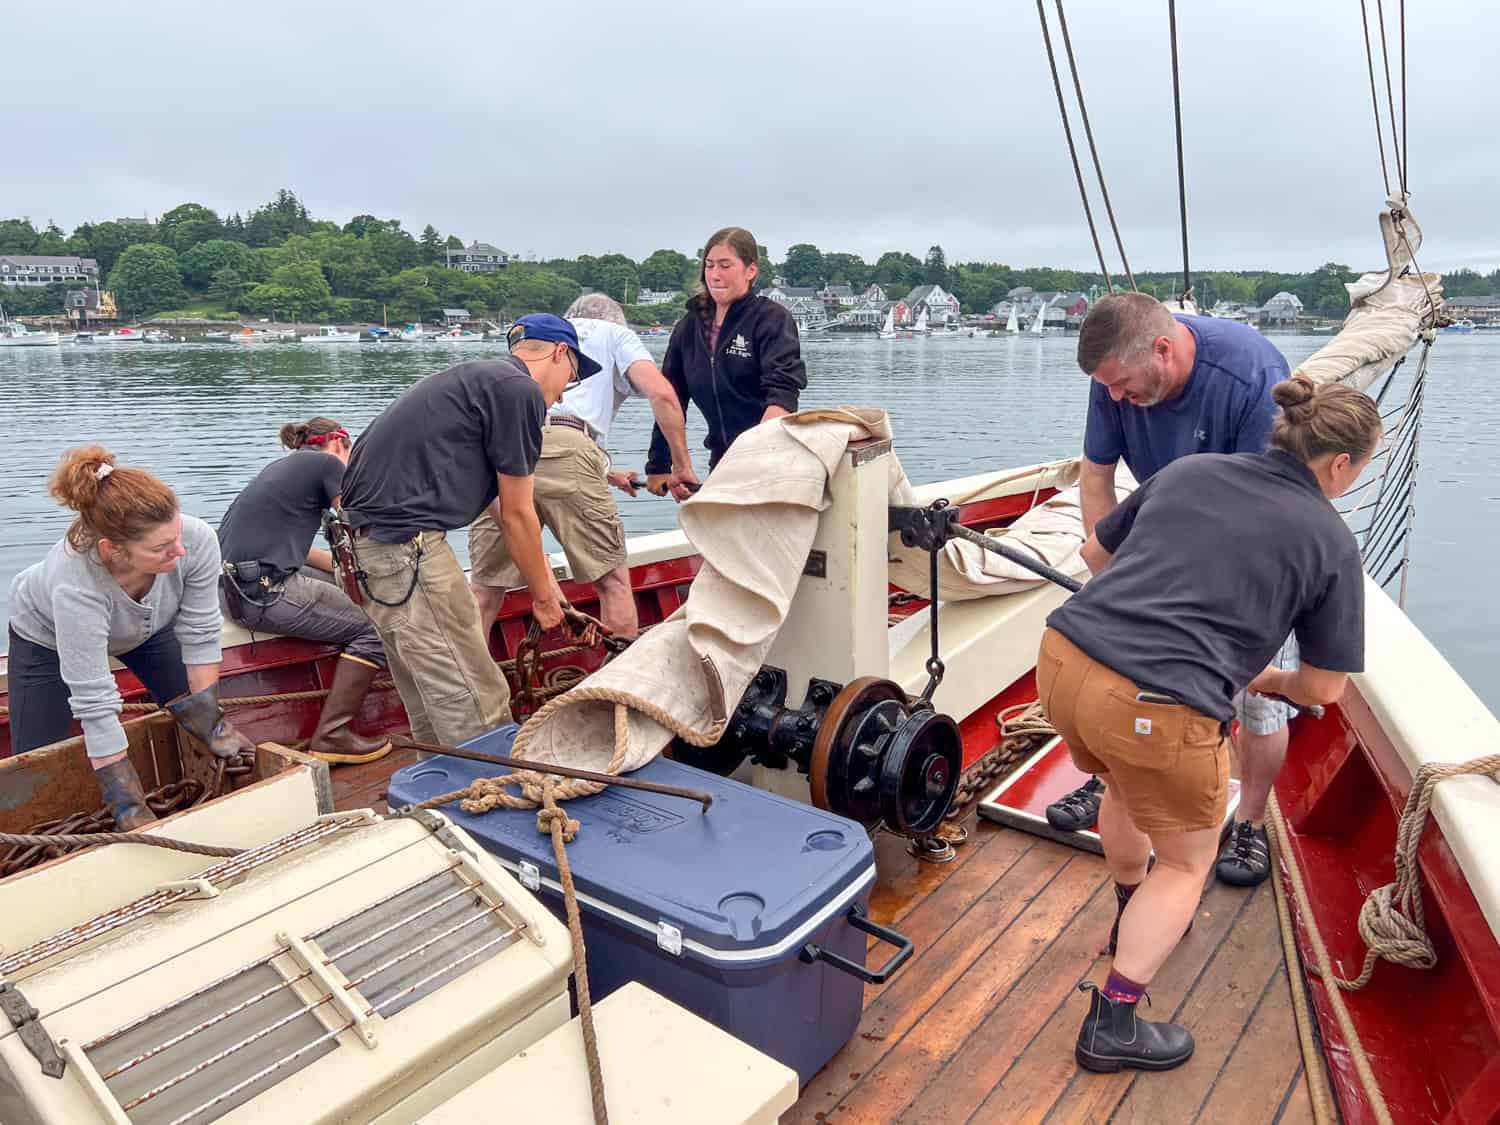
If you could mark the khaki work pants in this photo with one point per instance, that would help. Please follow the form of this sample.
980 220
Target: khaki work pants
439 658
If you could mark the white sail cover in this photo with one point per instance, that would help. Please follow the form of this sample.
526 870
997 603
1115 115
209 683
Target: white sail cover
1388 311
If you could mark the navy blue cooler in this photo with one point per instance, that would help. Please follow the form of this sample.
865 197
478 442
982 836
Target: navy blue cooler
753 915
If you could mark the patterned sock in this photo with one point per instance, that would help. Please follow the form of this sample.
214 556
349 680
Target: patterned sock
1122 990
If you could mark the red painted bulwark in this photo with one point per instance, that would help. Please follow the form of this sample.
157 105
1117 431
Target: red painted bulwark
1432 1037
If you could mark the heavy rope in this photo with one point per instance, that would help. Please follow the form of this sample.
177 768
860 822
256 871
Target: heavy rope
1088 132
1323 966
1062 109
89 839
562 829
1187 275
488 793
1324 1110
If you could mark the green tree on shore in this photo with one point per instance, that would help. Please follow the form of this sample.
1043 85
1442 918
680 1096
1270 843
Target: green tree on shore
146 279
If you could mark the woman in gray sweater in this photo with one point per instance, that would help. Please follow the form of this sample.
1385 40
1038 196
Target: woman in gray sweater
134 579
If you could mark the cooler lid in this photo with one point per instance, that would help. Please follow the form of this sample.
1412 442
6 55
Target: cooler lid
738 882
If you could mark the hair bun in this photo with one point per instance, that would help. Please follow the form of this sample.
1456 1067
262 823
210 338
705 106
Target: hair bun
294 434
75 483
1294 392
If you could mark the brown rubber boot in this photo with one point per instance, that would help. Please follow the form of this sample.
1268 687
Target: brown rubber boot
335 741
121 788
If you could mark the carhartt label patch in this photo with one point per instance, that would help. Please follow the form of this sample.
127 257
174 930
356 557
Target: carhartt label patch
1143 726
740 347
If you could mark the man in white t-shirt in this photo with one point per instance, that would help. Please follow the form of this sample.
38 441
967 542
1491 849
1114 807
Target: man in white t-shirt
572 478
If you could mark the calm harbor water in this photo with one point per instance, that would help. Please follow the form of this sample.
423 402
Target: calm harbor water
205 418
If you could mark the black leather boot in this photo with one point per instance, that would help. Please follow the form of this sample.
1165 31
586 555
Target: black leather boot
201 716
1114 1036
123 795
335 741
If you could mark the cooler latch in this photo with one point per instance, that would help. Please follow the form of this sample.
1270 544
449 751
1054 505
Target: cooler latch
669 938
530 875
29 1029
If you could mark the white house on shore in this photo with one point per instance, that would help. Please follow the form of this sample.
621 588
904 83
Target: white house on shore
803 302
657 296
1281 310
940 305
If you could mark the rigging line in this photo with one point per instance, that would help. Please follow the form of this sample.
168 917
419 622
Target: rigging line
1088 132
1390 97
1364 19
1187 276
1062 109
1405 153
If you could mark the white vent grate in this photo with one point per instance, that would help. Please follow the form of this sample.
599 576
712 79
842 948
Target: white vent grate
206 1053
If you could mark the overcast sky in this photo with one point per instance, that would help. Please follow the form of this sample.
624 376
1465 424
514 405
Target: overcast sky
590 127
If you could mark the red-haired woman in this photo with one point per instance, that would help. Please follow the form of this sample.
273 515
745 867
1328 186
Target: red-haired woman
735 354
276 581
133 579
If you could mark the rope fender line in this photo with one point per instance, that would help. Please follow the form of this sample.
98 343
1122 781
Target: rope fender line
1323 966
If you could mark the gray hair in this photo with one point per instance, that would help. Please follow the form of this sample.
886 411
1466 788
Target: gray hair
596 306
1122 326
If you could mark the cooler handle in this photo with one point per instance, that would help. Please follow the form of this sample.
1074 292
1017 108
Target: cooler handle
861 921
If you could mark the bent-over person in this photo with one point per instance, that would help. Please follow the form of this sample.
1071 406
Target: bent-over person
1164 387
573 476
455 444
276 581
135 579
1199 575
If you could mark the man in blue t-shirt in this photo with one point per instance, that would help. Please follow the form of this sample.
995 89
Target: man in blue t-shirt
1165 386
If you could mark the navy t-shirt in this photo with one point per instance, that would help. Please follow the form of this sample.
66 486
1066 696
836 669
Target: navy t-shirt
428 463
1215 560
1225 406
274 520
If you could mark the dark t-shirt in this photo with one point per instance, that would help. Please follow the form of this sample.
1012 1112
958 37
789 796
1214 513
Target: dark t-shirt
1216 559
276 516
1225 406
428 462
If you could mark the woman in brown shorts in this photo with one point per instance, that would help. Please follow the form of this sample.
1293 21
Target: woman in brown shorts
1199 576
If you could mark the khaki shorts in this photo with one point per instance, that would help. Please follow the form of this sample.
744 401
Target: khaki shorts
1168 762
572 501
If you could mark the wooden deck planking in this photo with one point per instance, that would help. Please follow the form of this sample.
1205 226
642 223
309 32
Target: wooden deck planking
1219 1010
980 1025
950 935
1257 1080
1012 951
364 787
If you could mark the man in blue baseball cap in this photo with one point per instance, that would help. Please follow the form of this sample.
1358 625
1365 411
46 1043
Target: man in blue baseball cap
456 444
544 328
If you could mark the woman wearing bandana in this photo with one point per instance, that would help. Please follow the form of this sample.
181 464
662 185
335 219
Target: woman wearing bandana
276 581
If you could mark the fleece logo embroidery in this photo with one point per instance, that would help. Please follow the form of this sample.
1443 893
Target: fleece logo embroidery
740 347
1143 726
1202 436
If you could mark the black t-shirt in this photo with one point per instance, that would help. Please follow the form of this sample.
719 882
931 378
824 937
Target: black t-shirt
428 462
274 519
1216 559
